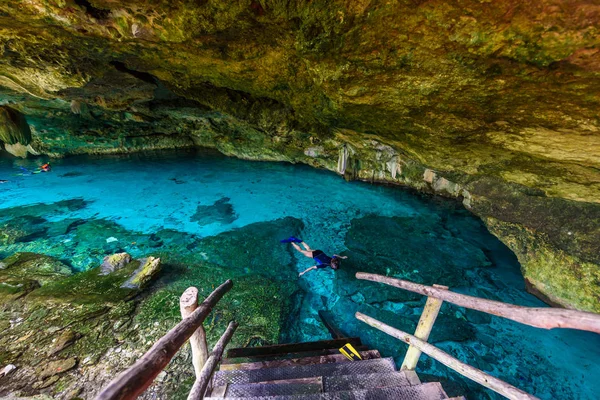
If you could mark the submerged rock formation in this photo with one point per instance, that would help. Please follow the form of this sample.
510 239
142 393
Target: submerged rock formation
495 103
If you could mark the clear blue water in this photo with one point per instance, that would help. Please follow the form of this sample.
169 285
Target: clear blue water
382 229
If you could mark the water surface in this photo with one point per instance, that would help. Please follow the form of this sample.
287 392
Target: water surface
383 230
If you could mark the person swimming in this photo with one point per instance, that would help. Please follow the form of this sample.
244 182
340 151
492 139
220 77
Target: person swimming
322 259
45 168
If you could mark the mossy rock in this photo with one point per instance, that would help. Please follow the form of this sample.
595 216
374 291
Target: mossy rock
91 286
114 263
32 266
149 268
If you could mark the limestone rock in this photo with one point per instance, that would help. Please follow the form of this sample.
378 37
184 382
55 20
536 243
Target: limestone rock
114 263
56 367
7 370
148 269
13 127
67 338
17 149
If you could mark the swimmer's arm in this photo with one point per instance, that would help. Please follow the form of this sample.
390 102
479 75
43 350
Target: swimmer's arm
308 269
342 257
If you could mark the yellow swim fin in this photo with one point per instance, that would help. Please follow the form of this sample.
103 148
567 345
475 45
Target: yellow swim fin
350 352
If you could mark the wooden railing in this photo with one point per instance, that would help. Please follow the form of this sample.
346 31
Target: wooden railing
136 379
546 318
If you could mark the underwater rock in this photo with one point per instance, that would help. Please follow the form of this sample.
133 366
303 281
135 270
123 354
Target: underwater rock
147 271
477 317
22 229
34 267
401 250
252 249
221 211
114 263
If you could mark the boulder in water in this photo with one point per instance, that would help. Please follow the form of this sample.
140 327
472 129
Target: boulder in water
114 263
148 269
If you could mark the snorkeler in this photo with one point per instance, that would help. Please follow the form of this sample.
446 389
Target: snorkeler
322 259
45 168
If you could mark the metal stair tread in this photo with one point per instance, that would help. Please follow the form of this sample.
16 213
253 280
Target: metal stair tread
258 358
272 389
338 383
323 359
292 347
378 365
425 391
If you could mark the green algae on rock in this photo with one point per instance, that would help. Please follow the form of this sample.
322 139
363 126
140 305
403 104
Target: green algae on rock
105 322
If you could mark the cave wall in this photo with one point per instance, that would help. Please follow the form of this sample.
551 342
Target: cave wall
495 103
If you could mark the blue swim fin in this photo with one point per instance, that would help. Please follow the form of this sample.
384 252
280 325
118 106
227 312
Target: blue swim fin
291 239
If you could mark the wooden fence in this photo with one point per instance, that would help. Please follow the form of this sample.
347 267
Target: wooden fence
136 379
546 318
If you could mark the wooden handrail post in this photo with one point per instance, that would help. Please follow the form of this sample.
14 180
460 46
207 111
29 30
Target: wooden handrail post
132 382
203 379
475 374
430 313
187 304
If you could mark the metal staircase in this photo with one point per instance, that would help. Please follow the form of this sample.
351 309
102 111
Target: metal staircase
316 370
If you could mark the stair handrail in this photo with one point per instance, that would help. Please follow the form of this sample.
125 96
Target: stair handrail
505 389
546 318
132 382
202 381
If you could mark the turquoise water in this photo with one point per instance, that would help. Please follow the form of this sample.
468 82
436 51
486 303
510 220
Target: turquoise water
383 230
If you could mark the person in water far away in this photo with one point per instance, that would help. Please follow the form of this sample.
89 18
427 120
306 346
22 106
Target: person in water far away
322 259
45 168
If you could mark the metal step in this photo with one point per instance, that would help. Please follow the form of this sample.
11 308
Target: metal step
329 384
272 389
425 391
338 383
333 358
302 354
292 347
380 365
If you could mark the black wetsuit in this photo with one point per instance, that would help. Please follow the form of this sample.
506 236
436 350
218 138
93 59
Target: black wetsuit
322 259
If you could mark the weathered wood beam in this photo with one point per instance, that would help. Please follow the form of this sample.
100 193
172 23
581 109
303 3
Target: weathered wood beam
202 381
475 374
187 304
428 317
133 381
547 318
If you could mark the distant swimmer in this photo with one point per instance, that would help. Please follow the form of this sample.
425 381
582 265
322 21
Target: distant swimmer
42 168
3 181
45 168
322 259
